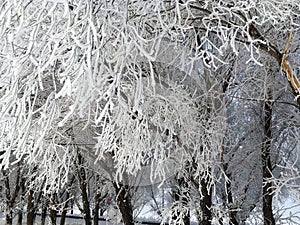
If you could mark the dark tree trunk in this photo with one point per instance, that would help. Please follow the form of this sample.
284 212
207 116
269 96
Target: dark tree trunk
86 204
20 218
11 195
52 210
124 203
267 167
32 197
30 208
101 211
83 185
98 198
44 214
8 213
180 195
72 206
20 213
63 217
64 212
96 209
8 218
205 203
206 196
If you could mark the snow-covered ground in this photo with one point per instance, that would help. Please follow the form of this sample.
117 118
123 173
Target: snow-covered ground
69 221
289 213
76 221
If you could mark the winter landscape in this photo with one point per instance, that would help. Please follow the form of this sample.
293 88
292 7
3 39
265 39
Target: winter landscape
149 112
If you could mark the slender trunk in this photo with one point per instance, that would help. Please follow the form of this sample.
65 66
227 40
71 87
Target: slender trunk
20 213
98 198
20 218
205 203
83 185
85 202
63 217
124 203
8 213
267 167
8 218
230 203
102 211
72 206
180 195
30 208
96 209
53 211
205 218
33 199
44 214
11 195
64 212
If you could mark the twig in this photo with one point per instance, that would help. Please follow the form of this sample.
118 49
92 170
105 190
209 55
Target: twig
262 100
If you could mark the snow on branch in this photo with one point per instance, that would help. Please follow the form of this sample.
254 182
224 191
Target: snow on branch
94 63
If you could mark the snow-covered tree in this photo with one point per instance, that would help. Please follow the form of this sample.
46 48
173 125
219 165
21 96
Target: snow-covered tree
142 77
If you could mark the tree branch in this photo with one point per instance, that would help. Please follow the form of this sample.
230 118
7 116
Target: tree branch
294 82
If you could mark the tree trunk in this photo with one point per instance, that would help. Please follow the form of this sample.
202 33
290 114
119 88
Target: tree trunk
20 218
230 203
124 203
63 217
9 216
267 167
205 203
85 202
11 195
83 185
72 206
53 212
20 213
30 208
8 213
64 212
180 195
96 209
44 214
101 211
